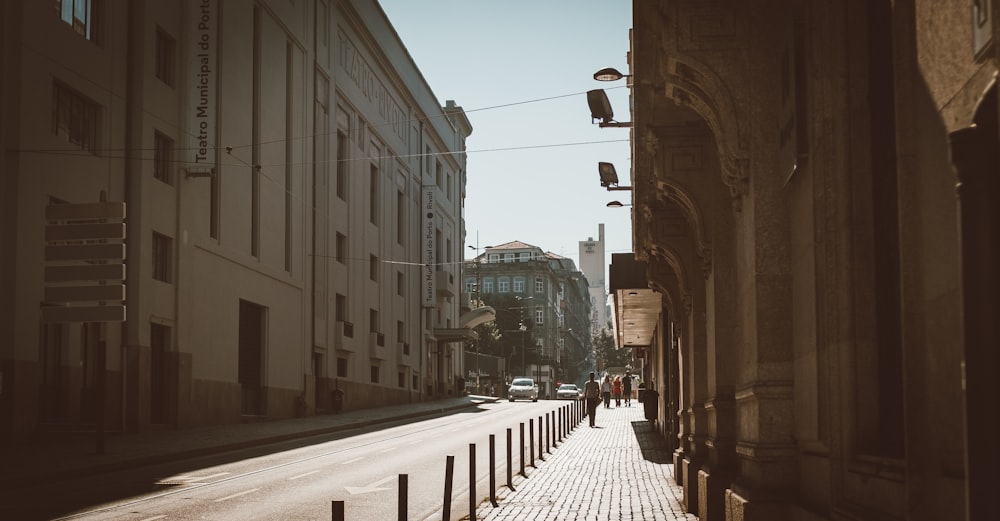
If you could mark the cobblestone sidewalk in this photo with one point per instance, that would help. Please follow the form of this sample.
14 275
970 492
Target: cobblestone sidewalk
618 470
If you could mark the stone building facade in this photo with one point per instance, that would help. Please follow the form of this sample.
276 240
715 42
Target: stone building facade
814 188
292 194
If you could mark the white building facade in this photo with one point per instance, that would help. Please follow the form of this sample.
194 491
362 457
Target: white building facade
594 265
292 192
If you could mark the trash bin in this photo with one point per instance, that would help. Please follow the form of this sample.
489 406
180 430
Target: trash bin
650 402
337 397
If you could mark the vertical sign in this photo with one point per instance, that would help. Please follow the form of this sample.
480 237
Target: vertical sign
203 78
428 245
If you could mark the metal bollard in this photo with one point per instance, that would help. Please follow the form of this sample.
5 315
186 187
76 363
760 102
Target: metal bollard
449 474
404 495
493 470
522 450
531 440
540 455
472 482
548 433
338 511
510 462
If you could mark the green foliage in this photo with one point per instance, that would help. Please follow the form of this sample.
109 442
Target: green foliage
607 354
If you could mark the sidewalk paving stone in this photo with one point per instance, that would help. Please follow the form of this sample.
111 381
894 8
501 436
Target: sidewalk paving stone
619 470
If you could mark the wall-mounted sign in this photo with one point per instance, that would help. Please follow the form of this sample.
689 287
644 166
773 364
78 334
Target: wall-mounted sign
203 78
428 245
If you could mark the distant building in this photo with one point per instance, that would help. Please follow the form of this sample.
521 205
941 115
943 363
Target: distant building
593 264
553 301
292 197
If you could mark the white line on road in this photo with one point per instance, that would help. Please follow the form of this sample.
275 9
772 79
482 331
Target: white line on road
154 518
390 449
416 441
303 475
238 494
348 462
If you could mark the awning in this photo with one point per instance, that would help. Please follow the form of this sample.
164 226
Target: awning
455 334
477 316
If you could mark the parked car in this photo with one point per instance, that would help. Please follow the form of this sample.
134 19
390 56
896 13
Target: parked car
523 388
569 392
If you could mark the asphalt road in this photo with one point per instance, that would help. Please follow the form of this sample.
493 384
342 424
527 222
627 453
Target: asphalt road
300 479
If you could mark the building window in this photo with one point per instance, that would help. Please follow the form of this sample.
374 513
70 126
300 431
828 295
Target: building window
400 217
165 57
415 381
373 195
82 16
503 285
341 248
539 285
341 165
470 285
525 256
494 257
448 187
400 331
342 367
400 284
163 152
539 316
508 257
487 285
373 268
373 320
162 256
340 308
518 284
438 175
375 378
75 118
402 379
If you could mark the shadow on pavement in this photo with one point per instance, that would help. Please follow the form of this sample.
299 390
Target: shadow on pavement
653 447
87 486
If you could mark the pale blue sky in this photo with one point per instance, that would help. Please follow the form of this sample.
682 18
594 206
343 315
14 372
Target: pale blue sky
485 53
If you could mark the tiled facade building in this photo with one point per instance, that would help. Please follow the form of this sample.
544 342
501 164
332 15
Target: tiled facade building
552 299
292 194
815 191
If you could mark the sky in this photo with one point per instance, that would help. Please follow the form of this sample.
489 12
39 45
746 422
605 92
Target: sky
521 70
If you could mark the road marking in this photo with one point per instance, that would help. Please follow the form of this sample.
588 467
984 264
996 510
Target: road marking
348 462
189 479
390 449
303 475
238 494
154 518
374 487
416 441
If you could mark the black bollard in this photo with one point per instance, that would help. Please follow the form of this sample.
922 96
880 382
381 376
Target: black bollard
404 495
338 511
531 440
548 433
472 482
493 470
449 474
522 450
510 460
540 455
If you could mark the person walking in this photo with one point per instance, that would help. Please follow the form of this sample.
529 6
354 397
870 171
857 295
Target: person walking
592 393
616 390
627 388
606 391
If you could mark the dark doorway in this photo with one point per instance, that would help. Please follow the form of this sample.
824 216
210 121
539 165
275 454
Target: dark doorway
251 363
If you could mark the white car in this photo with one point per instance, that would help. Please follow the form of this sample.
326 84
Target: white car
523 388
569 392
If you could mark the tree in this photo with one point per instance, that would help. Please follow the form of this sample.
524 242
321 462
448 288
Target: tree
607 354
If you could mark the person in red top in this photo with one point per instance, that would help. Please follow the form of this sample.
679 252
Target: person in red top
616 390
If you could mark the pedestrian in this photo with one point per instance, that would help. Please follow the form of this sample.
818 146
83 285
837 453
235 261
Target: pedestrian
606 391
627 388
592 393
616 390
